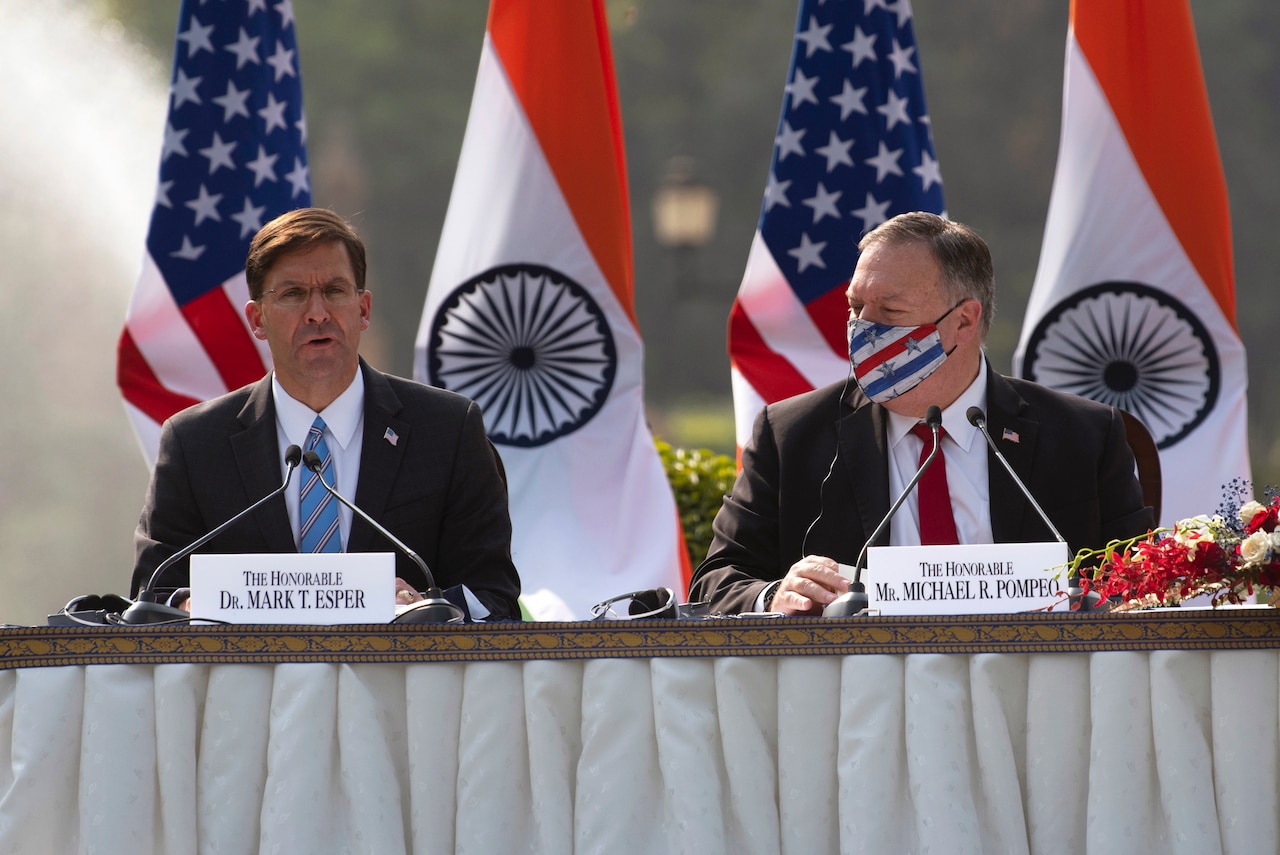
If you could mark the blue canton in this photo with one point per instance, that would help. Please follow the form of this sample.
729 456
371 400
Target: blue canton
234 154
853 146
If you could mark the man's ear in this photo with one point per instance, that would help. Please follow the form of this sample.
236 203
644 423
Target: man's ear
253 314
366 309
970 312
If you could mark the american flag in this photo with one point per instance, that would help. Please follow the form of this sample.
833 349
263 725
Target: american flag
853 149
234 157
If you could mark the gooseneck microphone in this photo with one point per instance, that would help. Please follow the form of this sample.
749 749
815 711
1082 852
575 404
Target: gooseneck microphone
143 611
979 420
856 600
1083 602
434 608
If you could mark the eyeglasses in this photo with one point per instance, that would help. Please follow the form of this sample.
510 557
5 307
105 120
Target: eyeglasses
333 295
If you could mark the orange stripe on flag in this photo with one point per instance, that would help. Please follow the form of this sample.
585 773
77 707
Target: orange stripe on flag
548 50
1144 55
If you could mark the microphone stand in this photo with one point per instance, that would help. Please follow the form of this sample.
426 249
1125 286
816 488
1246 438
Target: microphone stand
856 601
433 608
1075 594
143 611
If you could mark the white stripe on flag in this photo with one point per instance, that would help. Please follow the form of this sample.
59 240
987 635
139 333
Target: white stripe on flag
166 341
1105 225
592 511
146 430
782 321
747 404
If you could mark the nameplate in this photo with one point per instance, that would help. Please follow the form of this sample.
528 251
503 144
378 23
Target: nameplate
986 578
319 588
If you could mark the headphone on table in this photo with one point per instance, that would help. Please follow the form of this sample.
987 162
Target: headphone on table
91 610
658 603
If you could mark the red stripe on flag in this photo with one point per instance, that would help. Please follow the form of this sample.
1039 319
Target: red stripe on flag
140 386
770 373
1146 60
548 50
830 314
224 338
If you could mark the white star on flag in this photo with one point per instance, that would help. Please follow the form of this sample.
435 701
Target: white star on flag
787 331
185 338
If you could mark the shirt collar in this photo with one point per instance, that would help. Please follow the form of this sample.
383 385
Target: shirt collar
954 418
342 417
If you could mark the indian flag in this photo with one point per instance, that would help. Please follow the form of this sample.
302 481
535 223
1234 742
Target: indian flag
530 313
1134 299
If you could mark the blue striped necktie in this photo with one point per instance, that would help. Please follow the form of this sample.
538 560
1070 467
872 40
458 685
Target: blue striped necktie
317 511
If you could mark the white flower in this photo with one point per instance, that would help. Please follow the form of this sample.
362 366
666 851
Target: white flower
1255 548
1249 510
1201 526
1196 530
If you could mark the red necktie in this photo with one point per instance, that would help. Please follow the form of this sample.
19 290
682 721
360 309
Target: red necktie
937 523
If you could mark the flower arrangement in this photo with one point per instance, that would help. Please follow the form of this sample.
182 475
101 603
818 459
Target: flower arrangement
1228 555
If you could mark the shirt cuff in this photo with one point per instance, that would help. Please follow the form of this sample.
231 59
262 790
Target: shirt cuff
478 609
766 593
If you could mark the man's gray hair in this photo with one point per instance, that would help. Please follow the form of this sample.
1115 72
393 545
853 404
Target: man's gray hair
963 256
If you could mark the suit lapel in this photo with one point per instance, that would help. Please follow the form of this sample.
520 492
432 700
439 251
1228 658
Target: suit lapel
257 455
1016 437
859 430
380 458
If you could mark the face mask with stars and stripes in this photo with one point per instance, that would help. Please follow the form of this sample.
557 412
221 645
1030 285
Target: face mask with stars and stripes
890 361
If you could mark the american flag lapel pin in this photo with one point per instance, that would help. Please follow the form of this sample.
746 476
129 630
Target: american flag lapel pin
391 437
1010 435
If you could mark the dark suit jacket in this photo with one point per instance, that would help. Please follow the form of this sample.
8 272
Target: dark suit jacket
437 488
1071 453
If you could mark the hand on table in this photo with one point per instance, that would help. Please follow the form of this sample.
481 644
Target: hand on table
810 584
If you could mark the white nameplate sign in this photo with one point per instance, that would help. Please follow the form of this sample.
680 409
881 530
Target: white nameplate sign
319 588
972 579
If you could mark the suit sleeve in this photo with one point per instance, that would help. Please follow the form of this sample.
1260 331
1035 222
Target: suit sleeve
744 554
475 534
170 516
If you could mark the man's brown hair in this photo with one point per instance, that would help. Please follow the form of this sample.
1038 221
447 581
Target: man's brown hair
297 230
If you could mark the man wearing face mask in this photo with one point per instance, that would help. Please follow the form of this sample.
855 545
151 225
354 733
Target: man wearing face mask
821 469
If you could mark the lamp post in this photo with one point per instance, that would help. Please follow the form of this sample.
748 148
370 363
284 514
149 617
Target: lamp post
684 221
684 215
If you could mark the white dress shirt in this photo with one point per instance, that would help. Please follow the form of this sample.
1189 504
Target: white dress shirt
966 455
344 434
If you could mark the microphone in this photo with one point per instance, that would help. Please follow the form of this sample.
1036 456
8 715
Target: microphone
856 600
143 611
979 420
434 608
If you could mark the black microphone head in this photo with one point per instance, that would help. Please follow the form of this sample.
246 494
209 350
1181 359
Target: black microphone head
933 417
312 461
292 456
975 416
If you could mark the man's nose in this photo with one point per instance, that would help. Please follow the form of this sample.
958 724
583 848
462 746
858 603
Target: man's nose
316 308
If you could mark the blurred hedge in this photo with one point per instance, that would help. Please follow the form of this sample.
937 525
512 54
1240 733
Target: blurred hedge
700 478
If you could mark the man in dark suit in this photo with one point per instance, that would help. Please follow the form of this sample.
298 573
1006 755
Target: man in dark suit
821 469
415 458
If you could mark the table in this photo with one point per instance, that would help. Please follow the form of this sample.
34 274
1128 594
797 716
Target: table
1151 732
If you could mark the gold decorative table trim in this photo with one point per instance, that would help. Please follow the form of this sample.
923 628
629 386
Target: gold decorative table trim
1233 629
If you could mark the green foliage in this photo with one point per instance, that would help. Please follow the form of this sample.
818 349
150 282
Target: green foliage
700 479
